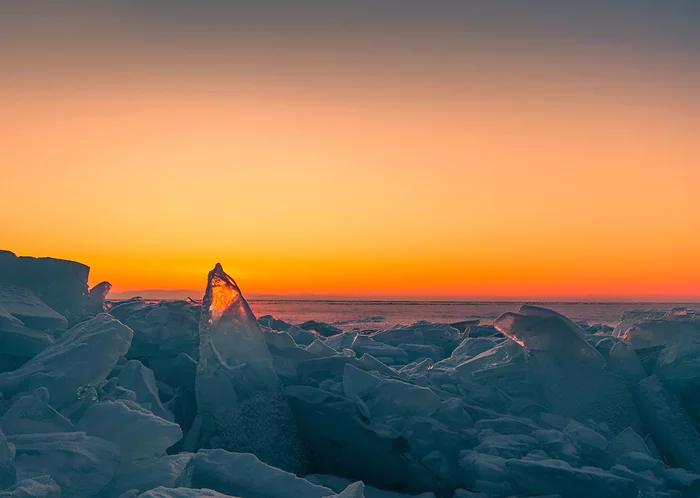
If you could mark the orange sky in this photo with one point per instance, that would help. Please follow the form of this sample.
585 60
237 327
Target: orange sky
487 177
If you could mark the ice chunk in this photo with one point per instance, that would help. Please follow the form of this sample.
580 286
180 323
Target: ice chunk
81 465
163 492
96 297
679 364
339 484
136 377
319 348
468 348
672 430
301 336
629 318
625 441
363 344
582 391
372 452
83 355
171 471
59 283
418 351
594 446
321 328
286 355
24 305
507 425
33 414
510 446
452 412
623 361
556 477
7 462
644 480
665 331
239 397
507 352
20 341
162 331
441 335
393 397
357 382
558 446
242 474
341 341
541 329
354 490
137 432
485 473
464 493
465 325
36 487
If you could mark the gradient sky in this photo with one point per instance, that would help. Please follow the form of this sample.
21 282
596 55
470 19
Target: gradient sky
414 149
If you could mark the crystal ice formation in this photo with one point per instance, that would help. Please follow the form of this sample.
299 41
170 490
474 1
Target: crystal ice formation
239 396
542 329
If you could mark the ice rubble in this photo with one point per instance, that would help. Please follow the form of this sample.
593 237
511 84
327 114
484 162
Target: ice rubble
175 399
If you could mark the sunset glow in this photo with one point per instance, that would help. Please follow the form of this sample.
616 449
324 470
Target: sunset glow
487 171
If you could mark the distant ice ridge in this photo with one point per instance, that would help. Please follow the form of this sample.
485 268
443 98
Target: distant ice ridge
176 399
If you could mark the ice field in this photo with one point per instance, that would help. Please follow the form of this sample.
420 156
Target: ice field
136 398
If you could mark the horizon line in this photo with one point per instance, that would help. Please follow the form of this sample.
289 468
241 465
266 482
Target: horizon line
165 294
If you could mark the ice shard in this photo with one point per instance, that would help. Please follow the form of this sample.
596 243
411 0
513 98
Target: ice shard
541 329
239 396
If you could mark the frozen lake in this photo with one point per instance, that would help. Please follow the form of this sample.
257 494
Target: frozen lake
381 315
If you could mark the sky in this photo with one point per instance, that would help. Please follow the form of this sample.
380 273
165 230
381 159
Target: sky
396 149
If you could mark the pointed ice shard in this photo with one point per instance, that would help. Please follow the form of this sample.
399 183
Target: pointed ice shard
239 396
541 329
